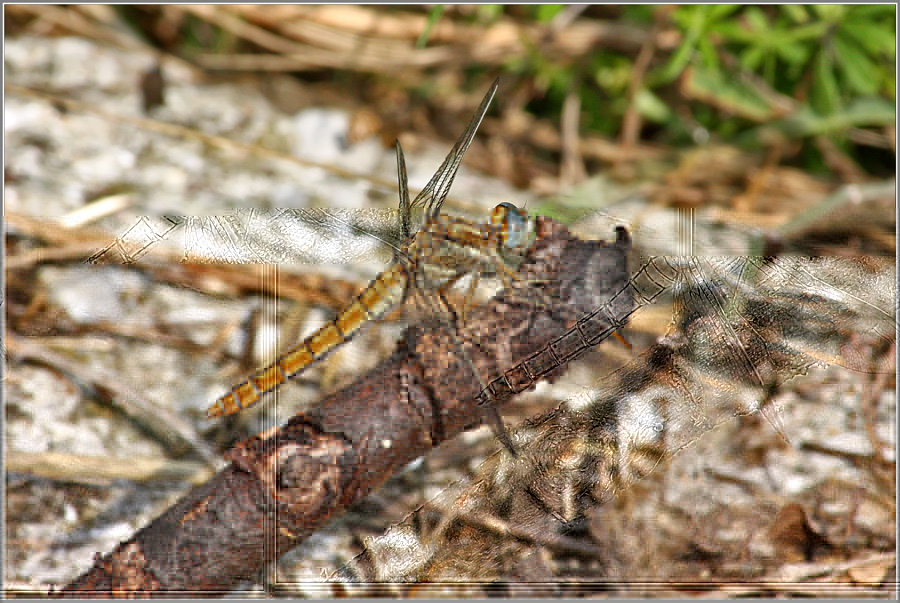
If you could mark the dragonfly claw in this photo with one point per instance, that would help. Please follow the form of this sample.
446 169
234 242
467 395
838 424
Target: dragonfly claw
499 428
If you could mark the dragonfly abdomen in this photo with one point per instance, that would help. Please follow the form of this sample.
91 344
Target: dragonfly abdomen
384 293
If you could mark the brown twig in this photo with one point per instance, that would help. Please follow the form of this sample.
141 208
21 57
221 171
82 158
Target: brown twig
571 170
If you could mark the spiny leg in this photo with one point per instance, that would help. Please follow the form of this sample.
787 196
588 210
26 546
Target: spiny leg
491 412
498 426
508 277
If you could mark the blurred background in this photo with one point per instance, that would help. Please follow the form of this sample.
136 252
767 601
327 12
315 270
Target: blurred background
705 129
737 106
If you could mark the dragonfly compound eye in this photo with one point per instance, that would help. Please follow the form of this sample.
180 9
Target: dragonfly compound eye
514 225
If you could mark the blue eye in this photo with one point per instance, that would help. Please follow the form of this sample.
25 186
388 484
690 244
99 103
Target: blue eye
514 225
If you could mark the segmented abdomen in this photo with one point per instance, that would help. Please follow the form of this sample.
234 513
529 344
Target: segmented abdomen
383 294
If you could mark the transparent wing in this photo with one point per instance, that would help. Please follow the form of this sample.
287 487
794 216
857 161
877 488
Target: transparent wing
760 318
405 216
432 196
252 236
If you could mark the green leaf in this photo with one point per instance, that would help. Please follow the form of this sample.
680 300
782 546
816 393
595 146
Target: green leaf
796 12
833 13
859 71
730 31
875 37
546 12
812 32
718 12
792 53
885 11
862 113
693 18
708 52
651 106
756 19
770 66
488 13
825 96
871 111
752 58
728 93
434 15
613 75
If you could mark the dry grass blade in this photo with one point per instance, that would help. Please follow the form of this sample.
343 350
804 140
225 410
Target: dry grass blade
97 470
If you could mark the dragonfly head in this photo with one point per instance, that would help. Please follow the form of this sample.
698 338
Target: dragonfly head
516 228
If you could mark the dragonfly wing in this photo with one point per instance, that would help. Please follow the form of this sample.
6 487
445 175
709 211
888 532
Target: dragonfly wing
405 217
434 193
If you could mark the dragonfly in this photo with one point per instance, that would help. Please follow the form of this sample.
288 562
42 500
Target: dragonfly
73 177
427 263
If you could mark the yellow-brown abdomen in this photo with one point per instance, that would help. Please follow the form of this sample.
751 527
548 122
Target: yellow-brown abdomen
383 294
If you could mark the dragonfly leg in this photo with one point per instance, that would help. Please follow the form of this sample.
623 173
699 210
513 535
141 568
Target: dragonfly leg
491 414
446 308
459 315
440 306
499 427
507 277
467 300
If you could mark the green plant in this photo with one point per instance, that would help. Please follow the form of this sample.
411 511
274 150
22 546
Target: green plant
828 54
